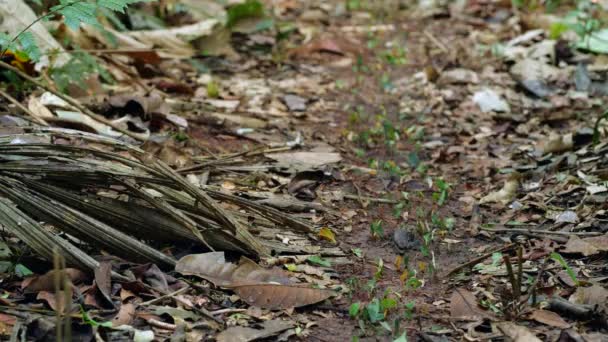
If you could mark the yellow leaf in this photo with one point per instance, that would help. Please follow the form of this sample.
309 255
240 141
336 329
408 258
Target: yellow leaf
327 234
404 276
398 262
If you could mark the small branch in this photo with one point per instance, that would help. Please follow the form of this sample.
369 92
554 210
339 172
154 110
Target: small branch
479 259
532 289
168 295
370 199
72 102
533 231
23 108
436 41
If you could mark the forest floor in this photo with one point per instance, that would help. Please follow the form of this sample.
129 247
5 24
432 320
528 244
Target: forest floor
446 151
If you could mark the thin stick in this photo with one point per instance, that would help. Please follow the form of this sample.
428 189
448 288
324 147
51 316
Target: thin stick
479 259
532 289
72 102
371 199
533 231
168 295
23 108
436 41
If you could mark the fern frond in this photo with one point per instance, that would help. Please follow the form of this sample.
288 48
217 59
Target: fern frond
76 11
117 5
29 46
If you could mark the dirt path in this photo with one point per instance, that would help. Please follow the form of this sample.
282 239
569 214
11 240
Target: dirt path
441 159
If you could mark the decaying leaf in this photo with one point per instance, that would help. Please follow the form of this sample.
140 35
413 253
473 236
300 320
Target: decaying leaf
305 160
125 315
517 333
266 288
593 295
245 334
327 234
577 245
504 195
463 304
557 143
549 318
46 282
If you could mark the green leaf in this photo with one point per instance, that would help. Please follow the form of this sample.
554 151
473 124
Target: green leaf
22 271
388 304
90 321
374 314
76 11
557 257
385 325
402 338
76 71
353 311
357 252
29 46
595 41
315 259
248 9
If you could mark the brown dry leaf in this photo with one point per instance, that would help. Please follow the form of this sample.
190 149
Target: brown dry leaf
46 282
504 195
578 245
57 304
176 42
599 242
593 295
463 304
517 333
266 288
557 143
279 296
125 315
103 281
245 334
549 318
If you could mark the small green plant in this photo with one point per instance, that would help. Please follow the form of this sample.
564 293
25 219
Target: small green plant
443 189
74 12
376 229
559 259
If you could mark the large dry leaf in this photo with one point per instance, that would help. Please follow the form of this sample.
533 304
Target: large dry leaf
549 318
46 282
265 288
593 295
305 160
245 334
178 42
277 296
463 304
517 333
577 245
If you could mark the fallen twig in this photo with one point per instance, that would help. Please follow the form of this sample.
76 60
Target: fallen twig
23 108
168 295
479 259
533 231
72 102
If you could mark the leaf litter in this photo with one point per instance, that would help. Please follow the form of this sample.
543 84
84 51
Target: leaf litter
308 146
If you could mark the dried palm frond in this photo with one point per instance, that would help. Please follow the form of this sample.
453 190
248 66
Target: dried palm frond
112 196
